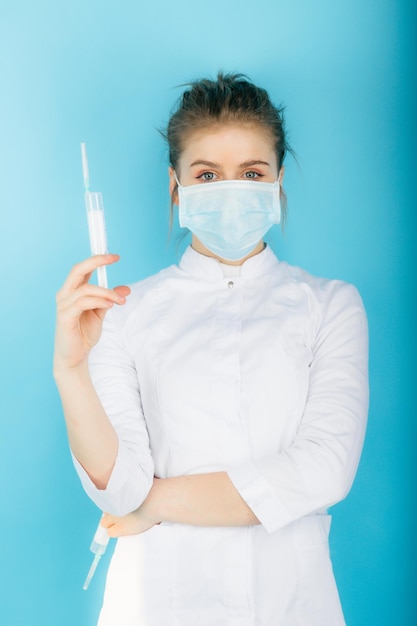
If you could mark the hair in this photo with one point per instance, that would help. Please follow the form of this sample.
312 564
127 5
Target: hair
231 98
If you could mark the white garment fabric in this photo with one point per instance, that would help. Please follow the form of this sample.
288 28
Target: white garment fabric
262 375
230 271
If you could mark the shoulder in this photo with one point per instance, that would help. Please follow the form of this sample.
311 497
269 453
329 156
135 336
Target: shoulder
332 316
322 292
329 307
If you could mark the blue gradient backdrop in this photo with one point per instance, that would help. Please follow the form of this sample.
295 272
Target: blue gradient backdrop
105 73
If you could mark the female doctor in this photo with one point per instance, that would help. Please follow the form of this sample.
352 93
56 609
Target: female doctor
217 409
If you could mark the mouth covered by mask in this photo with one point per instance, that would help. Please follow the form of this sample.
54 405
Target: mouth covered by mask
229 217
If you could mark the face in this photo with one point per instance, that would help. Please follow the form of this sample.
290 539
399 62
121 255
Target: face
227 152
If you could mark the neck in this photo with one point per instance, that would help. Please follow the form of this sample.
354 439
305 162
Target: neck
199 247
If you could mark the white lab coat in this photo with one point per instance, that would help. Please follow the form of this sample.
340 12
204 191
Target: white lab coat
263 376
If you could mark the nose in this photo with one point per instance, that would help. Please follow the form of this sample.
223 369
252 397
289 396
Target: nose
231 210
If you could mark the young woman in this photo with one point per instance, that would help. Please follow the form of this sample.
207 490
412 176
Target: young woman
223 407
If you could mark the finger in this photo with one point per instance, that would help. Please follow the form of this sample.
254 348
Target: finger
122 290
81 272
107 520
89 297
115 532
73 313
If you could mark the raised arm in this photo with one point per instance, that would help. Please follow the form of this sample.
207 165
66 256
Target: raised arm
81 308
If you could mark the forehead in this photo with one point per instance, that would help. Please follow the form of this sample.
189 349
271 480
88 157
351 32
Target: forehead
232 142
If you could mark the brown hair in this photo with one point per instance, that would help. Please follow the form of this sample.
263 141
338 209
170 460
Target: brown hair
229 98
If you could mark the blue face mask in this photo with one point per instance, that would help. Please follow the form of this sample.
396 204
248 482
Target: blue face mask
230 217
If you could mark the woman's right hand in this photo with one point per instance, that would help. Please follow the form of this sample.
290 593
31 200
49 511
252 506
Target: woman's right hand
81 308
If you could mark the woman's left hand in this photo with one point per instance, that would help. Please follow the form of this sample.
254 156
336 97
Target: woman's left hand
134 523
131 524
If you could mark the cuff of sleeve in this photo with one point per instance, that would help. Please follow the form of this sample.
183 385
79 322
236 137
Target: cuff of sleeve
259 496
112 499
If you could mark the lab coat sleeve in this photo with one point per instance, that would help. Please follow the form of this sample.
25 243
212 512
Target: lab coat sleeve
115 379
318 469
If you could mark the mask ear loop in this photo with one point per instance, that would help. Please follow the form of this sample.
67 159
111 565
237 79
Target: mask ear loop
178 192
173 203
282 199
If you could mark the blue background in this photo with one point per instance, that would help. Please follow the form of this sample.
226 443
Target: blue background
105 73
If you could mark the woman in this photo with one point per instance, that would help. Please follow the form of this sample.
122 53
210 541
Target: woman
223 407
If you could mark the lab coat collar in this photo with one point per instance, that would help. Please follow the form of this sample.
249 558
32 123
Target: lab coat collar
210 269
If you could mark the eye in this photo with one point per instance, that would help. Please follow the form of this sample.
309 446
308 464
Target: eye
252 175
206 176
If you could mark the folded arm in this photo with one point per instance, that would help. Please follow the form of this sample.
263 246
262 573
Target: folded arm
315 472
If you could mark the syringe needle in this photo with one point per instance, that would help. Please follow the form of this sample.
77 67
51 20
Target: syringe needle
91 571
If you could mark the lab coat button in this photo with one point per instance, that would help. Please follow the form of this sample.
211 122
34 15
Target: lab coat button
230 284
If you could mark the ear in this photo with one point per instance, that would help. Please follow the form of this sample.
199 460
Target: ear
173 186
281 175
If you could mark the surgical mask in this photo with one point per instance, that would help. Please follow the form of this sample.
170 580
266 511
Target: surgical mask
229 217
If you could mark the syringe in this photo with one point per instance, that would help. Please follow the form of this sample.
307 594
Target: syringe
98 244
98 548
95 217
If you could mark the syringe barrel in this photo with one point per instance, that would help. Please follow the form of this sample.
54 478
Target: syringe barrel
96 223
100 541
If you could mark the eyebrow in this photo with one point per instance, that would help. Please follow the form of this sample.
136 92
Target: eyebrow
244 164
